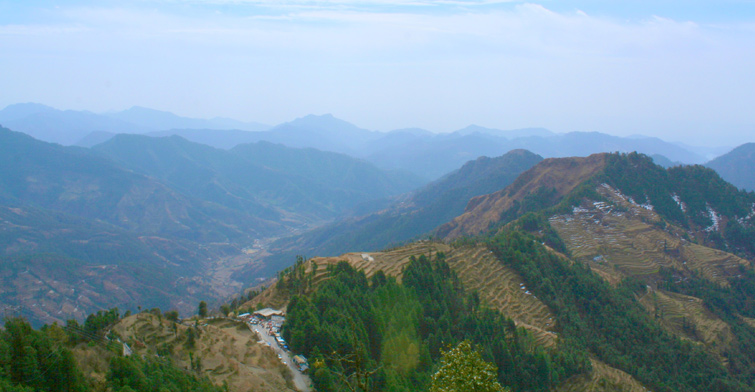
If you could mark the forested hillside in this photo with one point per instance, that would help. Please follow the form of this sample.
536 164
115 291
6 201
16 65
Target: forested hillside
633 284
57 358
390 335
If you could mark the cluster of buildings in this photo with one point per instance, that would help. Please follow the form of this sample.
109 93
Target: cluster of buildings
271 320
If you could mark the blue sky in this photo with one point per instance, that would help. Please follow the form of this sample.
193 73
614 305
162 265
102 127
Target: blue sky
680 70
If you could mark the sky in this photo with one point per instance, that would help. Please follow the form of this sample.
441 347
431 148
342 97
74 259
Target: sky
681 70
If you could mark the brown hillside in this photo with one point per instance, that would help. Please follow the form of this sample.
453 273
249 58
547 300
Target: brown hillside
618 238
561 174
228 351
603 378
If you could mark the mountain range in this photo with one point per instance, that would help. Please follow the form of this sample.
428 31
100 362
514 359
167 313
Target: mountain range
424 153
162 217
602 272
69 127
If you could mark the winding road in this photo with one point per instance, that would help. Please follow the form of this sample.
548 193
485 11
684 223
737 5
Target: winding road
301 381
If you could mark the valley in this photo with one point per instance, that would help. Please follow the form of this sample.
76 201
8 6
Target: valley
377 196
542 260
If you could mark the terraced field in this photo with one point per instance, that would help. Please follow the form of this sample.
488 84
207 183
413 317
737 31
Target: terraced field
603 378
499 287
624 239
228 351
749 321
503 289
391 262
714 264
621 239
687 317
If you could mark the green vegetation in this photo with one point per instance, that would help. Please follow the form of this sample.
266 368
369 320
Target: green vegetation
36 361
463 369
42 360
699 188
381 335
609 323
728 303
128 374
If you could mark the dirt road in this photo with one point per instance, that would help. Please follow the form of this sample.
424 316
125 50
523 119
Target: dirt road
301 381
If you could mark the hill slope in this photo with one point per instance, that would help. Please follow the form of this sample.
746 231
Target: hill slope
550 180
158 221
415 214
631 221
78 182
611 253
98 235
737 166
266 180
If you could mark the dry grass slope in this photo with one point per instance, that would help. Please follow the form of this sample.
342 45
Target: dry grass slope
603 378
501 288
562 174
228 351
623 239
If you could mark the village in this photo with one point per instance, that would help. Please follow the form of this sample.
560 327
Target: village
266 324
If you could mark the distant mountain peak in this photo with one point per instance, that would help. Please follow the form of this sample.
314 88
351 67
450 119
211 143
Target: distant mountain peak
142 109
508 134
320 120
21 110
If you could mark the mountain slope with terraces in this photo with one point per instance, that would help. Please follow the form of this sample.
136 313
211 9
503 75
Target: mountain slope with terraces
629 263
499 287
681 236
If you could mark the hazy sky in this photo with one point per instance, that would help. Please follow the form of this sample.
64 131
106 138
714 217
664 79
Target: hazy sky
676 69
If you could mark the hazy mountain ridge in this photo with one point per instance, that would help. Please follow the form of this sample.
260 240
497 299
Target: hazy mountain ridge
162 120
415 214
264 179
419 151
737 166
58 126
77 181
175 211
69 127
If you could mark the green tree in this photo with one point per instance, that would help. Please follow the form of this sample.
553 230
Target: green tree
463 369
202 309
172 315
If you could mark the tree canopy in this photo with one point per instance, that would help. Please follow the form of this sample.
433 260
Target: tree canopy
463 369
